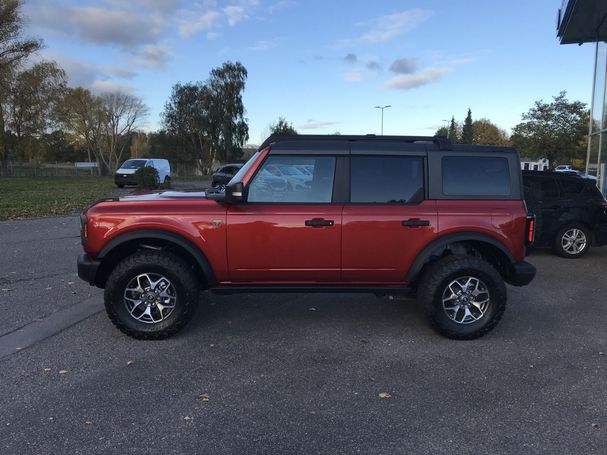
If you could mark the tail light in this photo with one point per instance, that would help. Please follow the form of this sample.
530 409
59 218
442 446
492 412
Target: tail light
530 230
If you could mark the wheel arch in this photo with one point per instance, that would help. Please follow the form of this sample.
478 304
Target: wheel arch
155 239
468 244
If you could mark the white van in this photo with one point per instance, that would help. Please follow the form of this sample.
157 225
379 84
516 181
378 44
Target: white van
125 175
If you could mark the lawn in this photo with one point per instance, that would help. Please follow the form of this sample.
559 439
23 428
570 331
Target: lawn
26 197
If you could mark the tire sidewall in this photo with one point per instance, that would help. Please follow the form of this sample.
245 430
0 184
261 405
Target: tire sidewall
497 298
116 299
558 244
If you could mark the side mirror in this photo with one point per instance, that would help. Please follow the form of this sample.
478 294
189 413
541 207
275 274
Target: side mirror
234 193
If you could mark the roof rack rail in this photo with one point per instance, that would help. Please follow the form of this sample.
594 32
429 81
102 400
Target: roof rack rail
442 142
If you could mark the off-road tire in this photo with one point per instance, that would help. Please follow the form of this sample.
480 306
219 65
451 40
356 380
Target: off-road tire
439 275
557 245
180 275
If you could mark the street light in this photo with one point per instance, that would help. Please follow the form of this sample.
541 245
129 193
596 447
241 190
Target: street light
382 116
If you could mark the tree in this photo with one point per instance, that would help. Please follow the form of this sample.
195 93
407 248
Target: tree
13 50
227 128
185 117
453 131
139 145
122 114
282 127
442 131
32 104
487 133
82 117
555 130
467 130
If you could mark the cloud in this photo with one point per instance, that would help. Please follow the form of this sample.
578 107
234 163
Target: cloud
235 14
315 125
154 56
197 23
263 45
410 81
106 86
373 65
213 35
386 28
351 58
280 5
353 76
115 27
120 71
403 66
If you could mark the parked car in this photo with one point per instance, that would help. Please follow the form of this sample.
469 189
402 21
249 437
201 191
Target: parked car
388 214
571 212
224 174
578 173
563 167
125 175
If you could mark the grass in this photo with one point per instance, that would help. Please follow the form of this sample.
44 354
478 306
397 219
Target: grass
27 197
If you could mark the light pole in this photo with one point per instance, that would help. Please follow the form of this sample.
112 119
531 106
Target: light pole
382 116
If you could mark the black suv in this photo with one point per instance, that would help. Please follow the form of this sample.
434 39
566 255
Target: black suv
571 212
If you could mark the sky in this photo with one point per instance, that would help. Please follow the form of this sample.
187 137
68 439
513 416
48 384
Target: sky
324 65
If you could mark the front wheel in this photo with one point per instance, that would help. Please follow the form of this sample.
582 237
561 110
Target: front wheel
464 297
572 241
151 295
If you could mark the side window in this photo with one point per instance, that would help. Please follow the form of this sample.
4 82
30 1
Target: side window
571 186
476 176
386 179
540 187
280 180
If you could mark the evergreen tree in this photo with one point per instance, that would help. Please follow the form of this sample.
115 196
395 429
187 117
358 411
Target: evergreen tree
467 130
453 137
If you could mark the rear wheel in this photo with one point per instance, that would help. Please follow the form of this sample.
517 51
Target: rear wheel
464 297
572 241
151 295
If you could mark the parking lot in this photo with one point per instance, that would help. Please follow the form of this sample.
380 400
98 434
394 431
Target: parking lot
280 374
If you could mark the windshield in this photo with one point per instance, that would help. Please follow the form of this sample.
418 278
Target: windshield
243 170
133 164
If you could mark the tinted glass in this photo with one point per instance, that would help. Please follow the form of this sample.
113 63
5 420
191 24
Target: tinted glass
476 176
541 187
279 181
571 187
386 179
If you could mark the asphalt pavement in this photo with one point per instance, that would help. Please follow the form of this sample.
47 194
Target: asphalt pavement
295 373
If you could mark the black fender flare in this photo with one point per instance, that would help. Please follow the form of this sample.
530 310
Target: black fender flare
168 236
438 245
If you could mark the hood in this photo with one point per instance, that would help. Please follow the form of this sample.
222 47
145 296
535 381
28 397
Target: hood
165 196
126 171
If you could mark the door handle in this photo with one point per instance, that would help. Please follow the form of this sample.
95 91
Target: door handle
415 222
319 222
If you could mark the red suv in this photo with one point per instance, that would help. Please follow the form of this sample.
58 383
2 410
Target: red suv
383 215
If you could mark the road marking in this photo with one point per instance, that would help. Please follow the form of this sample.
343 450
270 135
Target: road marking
42 329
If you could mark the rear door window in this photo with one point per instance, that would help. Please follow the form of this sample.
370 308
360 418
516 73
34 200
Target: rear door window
571 186
386 179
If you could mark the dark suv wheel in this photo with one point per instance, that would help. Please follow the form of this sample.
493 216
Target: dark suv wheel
151 295
572 241
464 297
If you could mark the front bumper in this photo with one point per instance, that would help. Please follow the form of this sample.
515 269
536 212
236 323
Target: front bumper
125 179
87 268
522 274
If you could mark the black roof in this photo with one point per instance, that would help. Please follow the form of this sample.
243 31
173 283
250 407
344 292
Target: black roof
335 141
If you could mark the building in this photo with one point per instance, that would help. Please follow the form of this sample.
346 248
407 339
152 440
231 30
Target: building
528 164
585 21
